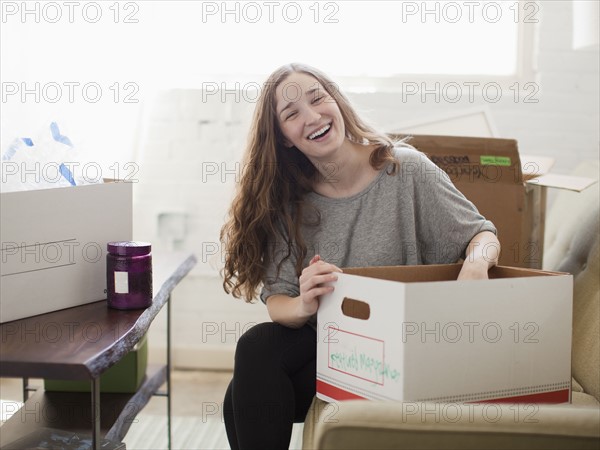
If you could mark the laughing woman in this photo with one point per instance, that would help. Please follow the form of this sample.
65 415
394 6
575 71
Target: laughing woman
323 190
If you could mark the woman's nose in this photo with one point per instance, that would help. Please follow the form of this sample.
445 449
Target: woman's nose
311 116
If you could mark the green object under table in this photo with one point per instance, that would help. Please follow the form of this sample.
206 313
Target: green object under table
125 377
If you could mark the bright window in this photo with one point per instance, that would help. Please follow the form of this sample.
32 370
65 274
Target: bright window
89 64
183 43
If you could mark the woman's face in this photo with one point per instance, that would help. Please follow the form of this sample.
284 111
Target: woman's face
309 117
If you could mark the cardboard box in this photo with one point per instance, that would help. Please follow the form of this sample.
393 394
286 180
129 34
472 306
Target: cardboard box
54 245
508 189
414 333
124 377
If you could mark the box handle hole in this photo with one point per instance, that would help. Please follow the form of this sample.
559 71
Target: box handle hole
356 309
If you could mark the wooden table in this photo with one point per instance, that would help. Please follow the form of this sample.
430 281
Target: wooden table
81 343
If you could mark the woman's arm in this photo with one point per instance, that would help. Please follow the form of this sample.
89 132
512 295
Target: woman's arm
286 310
293 312
482 253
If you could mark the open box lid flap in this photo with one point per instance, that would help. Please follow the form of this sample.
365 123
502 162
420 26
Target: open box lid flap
536 171
569 182
534 166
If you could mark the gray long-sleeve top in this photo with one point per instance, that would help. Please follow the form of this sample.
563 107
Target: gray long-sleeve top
414 217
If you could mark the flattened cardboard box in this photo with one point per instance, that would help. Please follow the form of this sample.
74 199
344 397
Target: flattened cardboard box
53 244
506 189
414 333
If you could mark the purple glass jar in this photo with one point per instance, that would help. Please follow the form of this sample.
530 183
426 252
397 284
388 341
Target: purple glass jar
129 275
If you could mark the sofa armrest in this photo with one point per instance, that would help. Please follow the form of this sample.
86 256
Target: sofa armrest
359 424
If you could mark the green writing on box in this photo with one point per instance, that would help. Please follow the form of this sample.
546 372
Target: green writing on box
363 364
487 160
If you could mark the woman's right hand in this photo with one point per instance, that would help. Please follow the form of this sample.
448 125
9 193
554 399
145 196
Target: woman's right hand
311 282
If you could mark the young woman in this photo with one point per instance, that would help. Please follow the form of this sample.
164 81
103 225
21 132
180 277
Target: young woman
322 190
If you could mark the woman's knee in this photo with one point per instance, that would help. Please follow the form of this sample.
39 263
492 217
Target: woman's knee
258 334
257 340
269 334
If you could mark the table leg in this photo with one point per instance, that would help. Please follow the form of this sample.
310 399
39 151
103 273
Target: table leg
96 413
25 389
169 371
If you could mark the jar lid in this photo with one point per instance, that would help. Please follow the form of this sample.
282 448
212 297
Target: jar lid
129 248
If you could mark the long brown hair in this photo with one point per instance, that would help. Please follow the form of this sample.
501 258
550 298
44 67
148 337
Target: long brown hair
269 199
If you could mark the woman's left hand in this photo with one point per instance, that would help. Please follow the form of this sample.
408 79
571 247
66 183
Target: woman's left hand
482 253
473 271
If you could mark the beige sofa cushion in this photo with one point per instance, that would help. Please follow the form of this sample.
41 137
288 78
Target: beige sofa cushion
387 425
575 386
583 399
586 326
327 413
572 245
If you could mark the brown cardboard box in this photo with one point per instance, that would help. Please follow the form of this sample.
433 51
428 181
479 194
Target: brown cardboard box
507 189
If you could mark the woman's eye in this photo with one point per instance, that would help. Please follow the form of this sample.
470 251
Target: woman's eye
318 99
290 115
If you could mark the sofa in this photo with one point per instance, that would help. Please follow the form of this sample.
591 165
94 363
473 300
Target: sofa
571 245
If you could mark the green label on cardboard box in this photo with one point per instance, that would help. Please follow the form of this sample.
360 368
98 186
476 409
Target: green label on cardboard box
486 160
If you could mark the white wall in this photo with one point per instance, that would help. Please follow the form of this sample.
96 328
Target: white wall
188 146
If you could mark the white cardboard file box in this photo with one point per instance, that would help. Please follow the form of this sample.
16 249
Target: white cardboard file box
414 333
53 245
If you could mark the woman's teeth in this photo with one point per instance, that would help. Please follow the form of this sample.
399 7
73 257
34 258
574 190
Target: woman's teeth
320 132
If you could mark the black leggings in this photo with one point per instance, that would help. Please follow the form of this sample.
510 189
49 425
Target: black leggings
273 386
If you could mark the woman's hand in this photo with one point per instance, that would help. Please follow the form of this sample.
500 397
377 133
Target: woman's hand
482 253
293 312
474 271
311 282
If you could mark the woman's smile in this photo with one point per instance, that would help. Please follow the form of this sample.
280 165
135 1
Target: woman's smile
320 134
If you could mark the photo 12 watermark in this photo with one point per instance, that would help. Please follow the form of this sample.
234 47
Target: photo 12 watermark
64 332
468 92
329 251
69 412
469 11
529 253
233 172
450 412
67 173
223 332
469 332
70 12
270 12
65 252
69 92
250 91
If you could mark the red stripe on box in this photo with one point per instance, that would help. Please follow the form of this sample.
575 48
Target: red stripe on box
335 392
561 396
